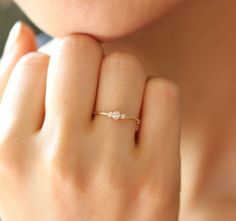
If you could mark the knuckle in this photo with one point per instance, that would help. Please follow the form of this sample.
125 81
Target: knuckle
8 138
63 169
156 196
82 42
164 88
122 57
125 60
57 165
10 161
58 162
126 63
31 59
59 171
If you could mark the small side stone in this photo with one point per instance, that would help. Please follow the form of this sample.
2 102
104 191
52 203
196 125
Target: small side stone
123 116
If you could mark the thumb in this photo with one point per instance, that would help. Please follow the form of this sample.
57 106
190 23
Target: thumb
21 40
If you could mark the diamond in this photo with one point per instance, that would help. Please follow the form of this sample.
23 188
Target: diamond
123 116
116 115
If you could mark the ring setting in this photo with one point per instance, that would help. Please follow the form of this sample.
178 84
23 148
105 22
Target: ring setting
117 115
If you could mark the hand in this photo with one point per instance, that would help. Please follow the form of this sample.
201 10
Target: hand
59 162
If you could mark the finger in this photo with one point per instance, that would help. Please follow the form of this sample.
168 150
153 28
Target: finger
22 107
72 81
21 40
121 87
159 137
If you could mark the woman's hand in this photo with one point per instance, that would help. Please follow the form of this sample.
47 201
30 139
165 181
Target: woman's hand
59 162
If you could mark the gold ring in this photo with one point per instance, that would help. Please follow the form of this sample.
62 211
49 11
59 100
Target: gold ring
117 115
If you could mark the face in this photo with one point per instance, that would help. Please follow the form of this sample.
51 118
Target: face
105 19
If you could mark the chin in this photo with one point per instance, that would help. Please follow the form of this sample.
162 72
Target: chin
105 20
103 33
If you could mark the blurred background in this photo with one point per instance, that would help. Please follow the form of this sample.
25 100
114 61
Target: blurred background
9 14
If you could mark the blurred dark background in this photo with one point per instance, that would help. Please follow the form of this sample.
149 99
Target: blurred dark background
9 14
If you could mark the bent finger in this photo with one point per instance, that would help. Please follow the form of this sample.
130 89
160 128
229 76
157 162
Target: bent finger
159 142
21 41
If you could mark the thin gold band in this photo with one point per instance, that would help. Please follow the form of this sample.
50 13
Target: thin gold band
116 115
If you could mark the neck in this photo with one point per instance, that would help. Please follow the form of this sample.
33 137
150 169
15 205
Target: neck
194 45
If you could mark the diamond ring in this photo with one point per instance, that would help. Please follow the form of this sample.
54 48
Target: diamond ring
116 115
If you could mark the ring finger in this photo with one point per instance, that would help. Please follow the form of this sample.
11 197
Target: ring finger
121 87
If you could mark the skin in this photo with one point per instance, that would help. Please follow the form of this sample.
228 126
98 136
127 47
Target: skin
206 80
65 164
105 20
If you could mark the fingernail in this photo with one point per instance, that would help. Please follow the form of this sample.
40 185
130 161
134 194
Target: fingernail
13 37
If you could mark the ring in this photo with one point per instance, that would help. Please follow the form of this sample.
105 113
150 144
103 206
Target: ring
117 115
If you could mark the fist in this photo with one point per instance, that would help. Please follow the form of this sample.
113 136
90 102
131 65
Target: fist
60 162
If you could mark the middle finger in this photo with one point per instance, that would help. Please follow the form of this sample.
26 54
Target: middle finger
72 82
